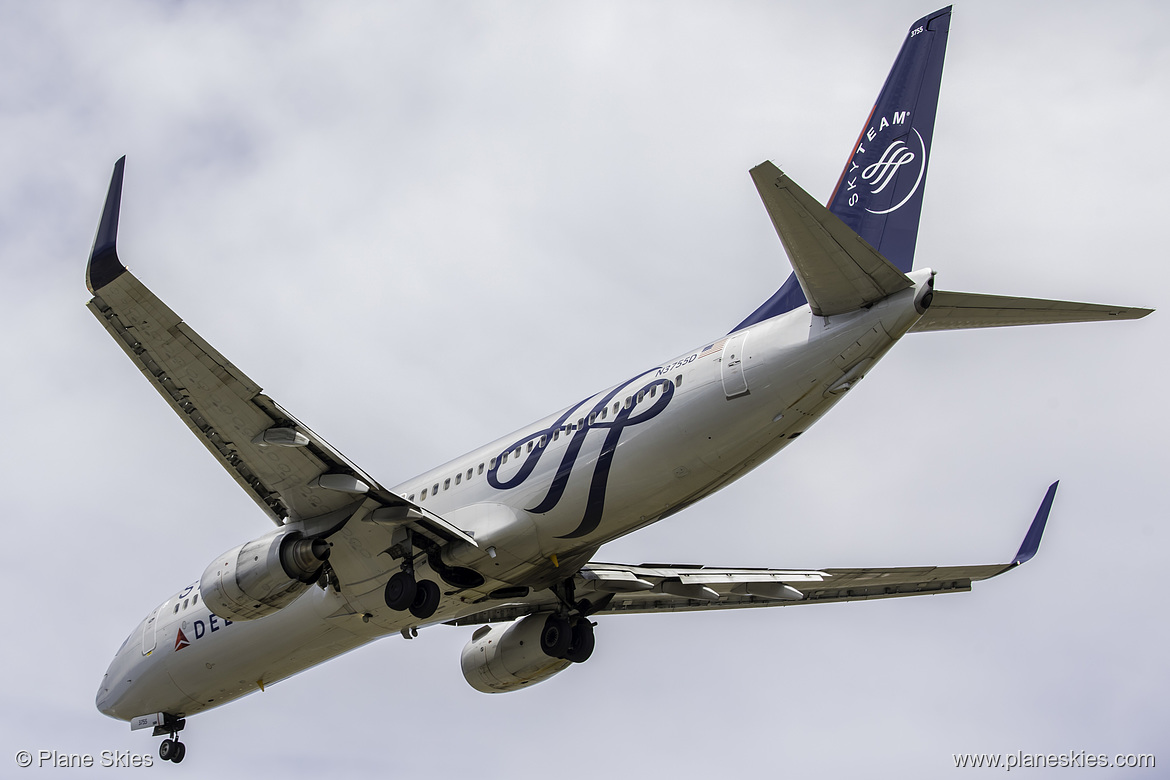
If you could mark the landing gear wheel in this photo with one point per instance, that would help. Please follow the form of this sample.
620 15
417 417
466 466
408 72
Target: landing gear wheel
426 600
167 749
180 752
581 646
400 591
555 637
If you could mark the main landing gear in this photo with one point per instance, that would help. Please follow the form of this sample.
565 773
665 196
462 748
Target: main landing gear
572 641
421 597
568 632
403 593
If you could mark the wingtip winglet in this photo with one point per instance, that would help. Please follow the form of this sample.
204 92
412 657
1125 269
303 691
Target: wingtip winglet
104 265
1031 542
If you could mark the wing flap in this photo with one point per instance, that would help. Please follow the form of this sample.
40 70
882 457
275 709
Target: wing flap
605 585
598 583
961 311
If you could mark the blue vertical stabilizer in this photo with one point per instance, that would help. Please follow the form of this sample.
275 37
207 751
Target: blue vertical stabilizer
879 194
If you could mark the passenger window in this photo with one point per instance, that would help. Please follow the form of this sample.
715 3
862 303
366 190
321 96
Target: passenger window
481 466
678 381
581 423
556 434
653 390
410 497
616 406
544 440
435 489
516 452
504 459
629 401
530 446
458 477
176 607
196 599
447 483
424 494
593 418
185 602
641 395
493 463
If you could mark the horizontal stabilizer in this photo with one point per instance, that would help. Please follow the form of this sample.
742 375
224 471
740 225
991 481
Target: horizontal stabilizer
960 311
838 271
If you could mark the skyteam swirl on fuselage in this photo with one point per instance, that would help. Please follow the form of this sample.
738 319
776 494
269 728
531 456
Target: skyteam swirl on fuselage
623 417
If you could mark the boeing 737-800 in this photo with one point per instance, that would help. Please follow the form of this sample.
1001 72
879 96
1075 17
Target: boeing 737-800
504 538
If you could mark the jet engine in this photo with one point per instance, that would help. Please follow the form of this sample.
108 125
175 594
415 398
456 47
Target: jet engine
508 658
262 576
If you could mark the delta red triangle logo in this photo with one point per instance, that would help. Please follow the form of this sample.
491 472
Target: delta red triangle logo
181 641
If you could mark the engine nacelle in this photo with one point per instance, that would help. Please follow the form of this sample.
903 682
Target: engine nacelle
259 577
508 658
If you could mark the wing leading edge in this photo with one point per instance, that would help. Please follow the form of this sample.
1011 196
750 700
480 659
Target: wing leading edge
289 471
618 588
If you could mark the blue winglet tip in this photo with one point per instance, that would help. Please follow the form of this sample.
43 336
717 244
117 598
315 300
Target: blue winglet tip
1032 539
104 265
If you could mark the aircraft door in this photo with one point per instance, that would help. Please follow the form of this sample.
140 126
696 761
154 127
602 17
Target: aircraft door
731 366
149 631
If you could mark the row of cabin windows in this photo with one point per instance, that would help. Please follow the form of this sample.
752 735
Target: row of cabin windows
192 601
543 440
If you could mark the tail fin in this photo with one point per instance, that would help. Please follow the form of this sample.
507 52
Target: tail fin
879 194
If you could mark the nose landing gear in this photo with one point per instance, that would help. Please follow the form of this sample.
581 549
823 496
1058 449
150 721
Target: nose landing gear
171 748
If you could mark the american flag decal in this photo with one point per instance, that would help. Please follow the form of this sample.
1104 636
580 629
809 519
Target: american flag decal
712 348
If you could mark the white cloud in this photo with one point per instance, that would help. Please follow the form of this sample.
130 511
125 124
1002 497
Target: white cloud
420 226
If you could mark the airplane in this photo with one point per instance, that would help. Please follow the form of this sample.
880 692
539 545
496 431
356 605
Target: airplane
504 538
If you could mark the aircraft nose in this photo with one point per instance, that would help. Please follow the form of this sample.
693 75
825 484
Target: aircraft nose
109 695
102 700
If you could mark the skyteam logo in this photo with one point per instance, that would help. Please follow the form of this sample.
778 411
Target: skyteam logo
891 176
651 400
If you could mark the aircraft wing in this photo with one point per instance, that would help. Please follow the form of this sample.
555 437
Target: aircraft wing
617 588
287 469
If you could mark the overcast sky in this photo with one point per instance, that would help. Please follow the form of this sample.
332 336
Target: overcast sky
420 226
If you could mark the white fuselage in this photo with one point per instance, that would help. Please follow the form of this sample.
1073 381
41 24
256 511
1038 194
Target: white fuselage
617 461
